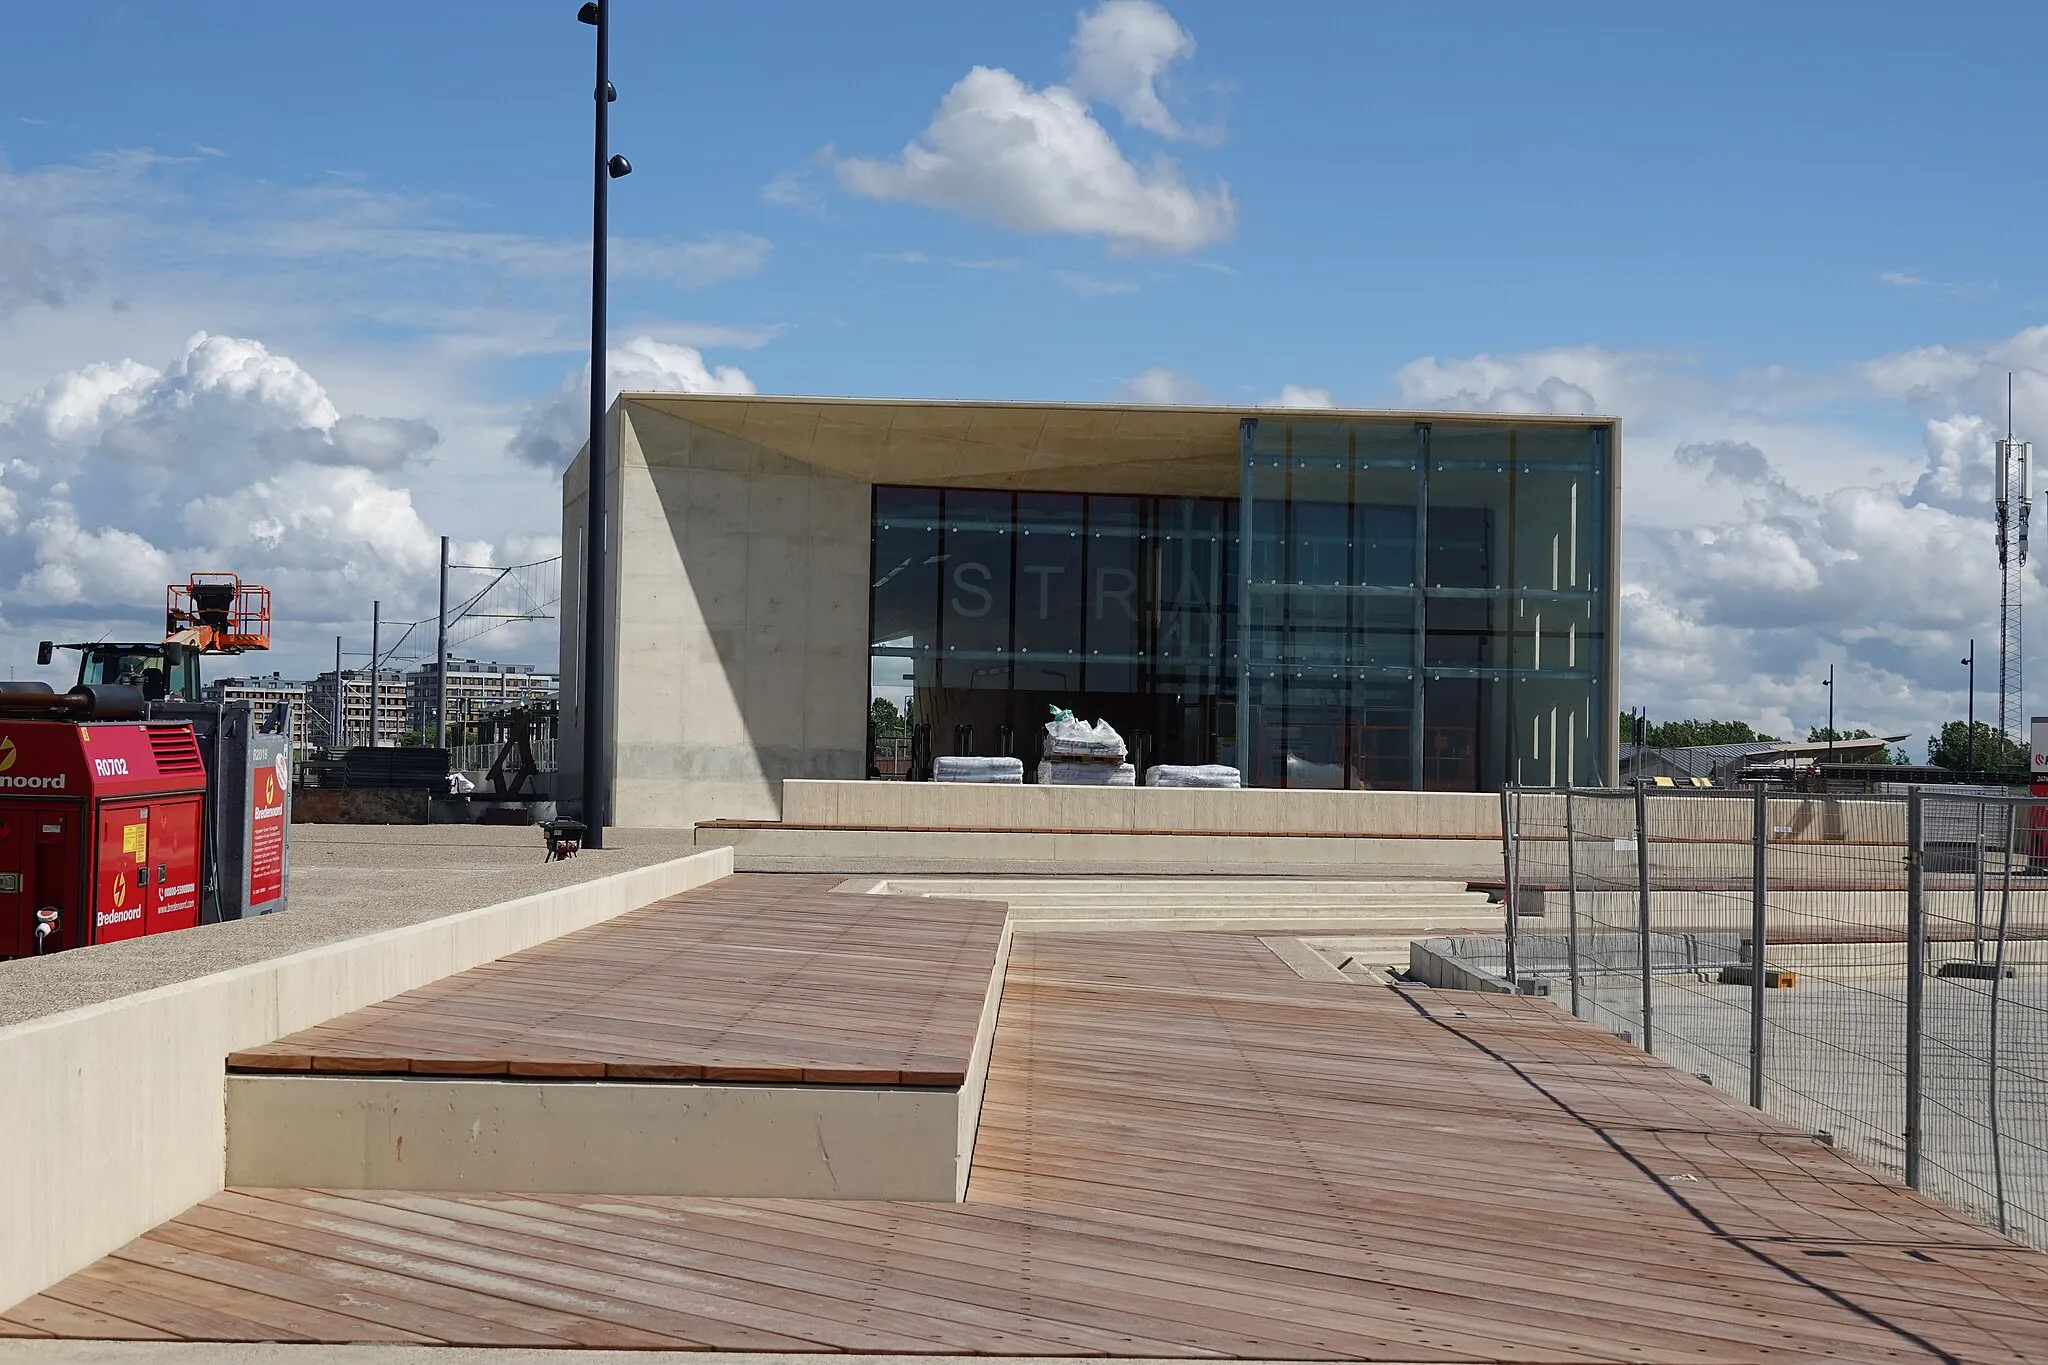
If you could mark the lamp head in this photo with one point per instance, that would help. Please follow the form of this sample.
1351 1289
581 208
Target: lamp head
589 13
618 166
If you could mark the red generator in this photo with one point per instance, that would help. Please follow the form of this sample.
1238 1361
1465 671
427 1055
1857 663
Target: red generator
100 823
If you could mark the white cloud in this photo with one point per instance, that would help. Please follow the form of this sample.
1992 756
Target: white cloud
1564 379
1779 521
1300 396
1038 161
120 477
1120 51
1161 385
556 428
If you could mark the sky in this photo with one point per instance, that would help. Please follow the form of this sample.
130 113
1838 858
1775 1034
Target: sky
296 290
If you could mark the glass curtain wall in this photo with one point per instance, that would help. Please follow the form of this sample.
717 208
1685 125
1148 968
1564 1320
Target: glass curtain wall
989 608
1424 607
1426 604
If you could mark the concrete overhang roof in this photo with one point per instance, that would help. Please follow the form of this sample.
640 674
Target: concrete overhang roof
1096 447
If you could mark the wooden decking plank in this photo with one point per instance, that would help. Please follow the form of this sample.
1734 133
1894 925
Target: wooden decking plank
935 1301
213 1243
603 1285
47 1316
1183 1149
266 1316
785 980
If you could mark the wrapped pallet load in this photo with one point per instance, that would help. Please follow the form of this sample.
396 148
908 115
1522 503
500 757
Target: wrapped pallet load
1071 773
1078 754
1195 775
966 768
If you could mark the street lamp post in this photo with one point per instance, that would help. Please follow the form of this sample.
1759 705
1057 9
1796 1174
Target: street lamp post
1829 684
605 168
1970 725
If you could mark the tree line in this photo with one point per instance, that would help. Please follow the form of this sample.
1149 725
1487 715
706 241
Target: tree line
1959 745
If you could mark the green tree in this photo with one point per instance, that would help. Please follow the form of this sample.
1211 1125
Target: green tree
884 717
1992 752
1677 734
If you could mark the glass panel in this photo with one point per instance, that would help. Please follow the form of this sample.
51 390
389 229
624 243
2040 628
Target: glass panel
1115 566
1468 507
1051 591
974 596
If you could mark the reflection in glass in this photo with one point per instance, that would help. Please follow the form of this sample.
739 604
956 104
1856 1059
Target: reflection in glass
1417 605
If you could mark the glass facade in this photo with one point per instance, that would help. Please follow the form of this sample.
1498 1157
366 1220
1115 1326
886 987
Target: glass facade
1418 605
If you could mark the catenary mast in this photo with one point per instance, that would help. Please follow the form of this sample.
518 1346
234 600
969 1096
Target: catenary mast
2015 500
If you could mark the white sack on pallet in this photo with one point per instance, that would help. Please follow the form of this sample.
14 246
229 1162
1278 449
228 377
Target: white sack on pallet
965 768
1197 775
1067 737
1062 773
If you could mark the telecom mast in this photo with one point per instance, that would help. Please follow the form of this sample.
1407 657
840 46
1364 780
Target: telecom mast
2015 503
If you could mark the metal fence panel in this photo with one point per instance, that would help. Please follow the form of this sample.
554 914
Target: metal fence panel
1769 944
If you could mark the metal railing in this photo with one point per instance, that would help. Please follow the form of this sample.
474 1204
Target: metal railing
1870 967
479 757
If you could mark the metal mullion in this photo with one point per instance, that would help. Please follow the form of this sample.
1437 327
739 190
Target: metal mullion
1421 595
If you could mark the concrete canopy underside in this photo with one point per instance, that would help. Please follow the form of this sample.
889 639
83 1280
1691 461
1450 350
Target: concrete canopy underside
741 538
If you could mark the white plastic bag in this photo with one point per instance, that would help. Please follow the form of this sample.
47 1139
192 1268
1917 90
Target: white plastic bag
1068 737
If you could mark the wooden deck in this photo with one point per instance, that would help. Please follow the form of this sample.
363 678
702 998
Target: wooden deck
1185 1150
753 978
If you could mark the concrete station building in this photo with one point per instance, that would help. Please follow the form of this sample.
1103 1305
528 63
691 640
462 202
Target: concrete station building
1323 599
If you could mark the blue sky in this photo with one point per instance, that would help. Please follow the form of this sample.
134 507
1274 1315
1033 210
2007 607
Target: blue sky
1794 248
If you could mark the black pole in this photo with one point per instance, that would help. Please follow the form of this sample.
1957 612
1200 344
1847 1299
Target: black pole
1970 725
1830 685
596 749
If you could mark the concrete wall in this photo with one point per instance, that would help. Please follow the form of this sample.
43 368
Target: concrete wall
596 1137
741 638
935 805
114 1115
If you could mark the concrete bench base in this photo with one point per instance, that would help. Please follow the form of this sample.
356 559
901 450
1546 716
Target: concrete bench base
596 1137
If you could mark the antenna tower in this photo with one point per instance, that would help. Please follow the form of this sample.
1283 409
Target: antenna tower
2015 503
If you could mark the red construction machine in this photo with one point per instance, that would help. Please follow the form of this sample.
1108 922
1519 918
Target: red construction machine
127 805
102 817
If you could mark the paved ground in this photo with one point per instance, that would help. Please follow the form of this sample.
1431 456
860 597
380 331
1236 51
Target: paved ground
346 880
1186 1148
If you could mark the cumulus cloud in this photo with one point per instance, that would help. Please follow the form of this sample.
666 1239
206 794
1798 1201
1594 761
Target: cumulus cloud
1777 521
1555 380
556 428
119 477
1160 385
1120 51
1300 396
1037 160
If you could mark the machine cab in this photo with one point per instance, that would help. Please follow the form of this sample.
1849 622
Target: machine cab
164 672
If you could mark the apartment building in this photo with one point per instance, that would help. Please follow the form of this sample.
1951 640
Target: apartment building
392 722
475 688
267 692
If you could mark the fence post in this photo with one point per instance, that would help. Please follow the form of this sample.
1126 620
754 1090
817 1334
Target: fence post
1916 967
1761 837
1997 982
1643 908
1571 897
1510 864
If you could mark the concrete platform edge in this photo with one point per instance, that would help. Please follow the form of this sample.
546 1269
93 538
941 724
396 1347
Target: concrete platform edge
116 1112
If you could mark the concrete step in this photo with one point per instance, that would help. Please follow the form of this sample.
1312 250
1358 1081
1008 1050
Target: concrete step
1133 886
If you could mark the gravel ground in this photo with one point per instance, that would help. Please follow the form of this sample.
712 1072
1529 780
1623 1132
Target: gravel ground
346 880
